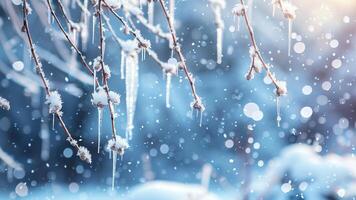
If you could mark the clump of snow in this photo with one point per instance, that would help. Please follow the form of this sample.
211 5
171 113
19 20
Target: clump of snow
4 104
114 97
289 10
114 4
252 51
171 66
96 64
99 98
129 46
255 66
107 71
239 9
281 88
198 105
118 145
84 154
54 100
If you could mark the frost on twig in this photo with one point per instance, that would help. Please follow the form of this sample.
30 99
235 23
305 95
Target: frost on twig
255 66
4 104
54 102
257 61
100 100
197 103
217 6
84 154
118 145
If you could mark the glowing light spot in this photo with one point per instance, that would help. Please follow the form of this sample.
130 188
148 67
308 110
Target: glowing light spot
306 112
299 47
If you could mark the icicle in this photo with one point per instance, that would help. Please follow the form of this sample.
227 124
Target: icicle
93 30
156 39
84 33
289 35
74 35
52 121
278 111
171 11
131 84
273 9
238 24
219 38
201 118
143 54
122 65
172 52
94 80
99 127
49 15
168 89
114 158
150 12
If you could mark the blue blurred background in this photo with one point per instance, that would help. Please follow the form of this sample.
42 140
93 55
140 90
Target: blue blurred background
169 144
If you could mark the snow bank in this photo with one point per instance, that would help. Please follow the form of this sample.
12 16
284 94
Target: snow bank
165 190
302 169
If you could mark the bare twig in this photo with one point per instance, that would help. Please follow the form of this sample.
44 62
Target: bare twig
197 104
257 51
67 36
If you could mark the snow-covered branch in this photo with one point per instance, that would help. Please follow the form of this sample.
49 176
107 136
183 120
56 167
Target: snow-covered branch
53 98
